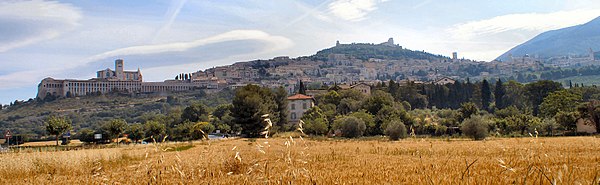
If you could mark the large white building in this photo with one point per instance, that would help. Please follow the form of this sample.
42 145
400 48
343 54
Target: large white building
118 80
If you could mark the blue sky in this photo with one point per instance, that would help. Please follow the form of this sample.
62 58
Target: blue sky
73 39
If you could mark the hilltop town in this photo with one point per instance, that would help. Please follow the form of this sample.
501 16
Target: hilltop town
342 64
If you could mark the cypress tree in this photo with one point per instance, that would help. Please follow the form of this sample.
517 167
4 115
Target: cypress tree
486 94
499 92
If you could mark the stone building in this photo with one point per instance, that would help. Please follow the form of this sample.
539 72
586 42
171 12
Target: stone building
108 81
297 105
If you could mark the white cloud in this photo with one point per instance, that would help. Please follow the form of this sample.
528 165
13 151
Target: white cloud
273 43
536 22
27 22
353 10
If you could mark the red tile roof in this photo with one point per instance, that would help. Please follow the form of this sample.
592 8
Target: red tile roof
299 97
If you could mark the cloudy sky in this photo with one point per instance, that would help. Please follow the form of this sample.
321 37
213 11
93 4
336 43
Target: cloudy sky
73 39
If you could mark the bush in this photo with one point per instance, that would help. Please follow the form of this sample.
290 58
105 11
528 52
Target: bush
350 126
475 127
317 126
86 135
396 130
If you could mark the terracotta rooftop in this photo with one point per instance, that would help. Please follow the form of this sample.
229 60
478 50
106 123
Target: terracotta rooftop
299 97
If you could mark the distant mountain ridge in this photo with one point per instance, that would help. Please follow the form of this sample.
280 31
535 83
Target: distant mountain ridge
570 41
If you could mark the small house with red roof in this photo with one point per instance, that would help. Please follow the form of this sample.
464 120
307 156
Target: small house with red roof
297 105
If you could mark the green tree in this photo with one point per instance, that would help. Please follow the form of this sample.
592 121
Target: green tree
301 88
315 121
331 97
280 97
155 130
396 130
377 100
349 126
486 95
115 128
194 113
467 110
499 93
249 104
537 91
567 119
591 111
369 120
135 132
475 127
57 126
86 135
563 100
201 130
221 110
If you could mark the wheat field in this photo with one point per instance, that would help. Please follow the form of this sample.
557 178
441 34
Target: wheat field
295 160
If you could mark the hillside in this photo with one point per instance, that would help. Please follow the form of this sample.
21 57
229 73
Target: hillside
91 111
575 40
377 51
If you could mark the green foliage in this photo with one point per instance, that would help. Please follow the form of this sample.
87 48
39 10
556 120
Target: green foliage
371 128
194 113
201 130
507 112
135 132
591 111
280 96
349 126
467 110
348 105
155 130
549 126
114 128
563 100
315 121
567 119
486 95
499 93
249 104
301 88
86 135
537 91
475 127
57 126
331 97
378 100
396 130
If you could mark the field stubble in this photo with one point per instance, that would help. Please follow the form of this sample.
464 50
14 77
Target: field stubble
572 160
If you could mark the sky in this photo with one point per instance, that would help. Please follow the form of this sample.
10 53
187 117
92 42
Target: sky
72 39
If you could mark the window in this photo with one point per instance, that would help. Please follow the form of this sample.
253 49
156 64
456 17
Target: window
304 106
293 106
293 115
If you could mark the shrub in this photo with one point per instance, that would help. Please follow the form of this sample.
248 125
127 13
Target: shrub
86 135
317 126
350 126
475 127
396 130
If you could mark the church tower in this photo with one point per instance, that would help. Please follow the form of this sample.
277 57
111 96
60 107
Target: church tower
119 69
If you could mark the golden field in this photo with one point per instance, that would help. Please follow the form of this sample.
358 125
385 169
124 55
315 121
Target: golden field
565 160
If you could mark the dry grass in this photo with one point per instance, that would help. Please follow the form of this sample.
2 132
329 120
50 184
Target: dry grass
572 160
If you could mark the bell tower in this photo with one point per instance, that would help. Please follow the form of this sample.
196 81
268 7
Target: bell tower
119 69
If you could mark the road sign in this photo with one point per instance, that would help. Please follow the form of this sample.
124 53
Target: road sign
8 134
97 136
